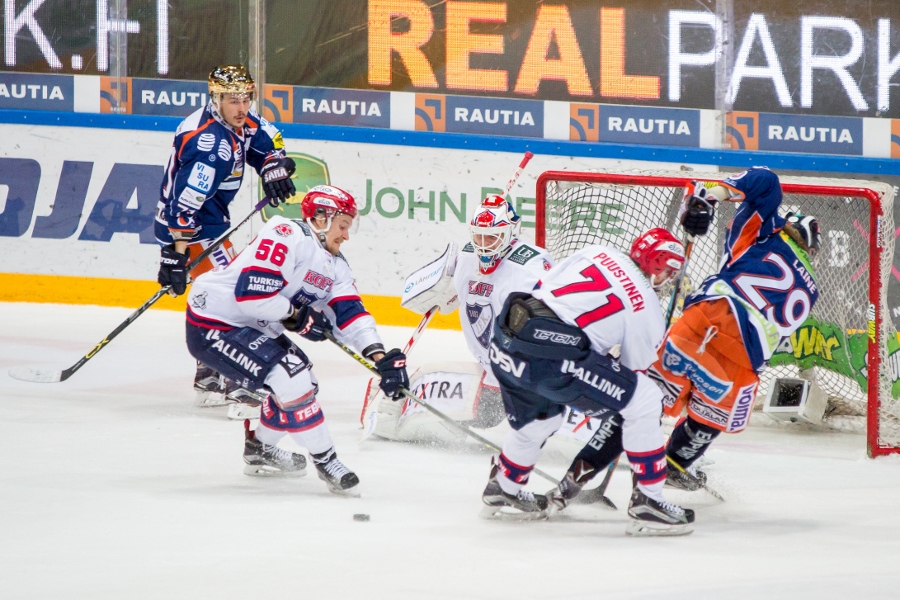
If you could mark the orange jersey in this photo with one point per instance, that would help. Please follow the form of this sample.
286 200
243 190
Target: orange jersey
704 367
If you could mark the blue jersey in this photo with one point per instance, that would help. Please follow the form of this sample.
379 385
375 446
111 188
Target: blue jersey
765 276
205 171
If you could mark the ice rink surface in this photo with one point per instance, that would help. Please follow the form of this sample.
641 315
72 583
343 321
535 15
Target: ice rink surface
115 486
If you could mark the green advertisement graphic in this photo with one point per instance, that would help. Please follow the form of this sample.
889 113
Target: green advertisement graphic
311 171
822 344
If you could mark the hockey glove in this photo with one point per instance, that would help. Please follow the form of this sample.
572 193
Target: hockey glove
309 323
392 368
173 269
276 179
698 210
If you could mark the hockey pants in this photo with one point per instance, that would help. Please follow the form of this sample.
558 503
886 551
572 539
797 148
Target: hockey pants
703 366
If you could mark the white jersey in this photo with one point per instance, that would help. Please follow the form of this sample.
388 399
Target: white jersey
482 296
601 291
285 264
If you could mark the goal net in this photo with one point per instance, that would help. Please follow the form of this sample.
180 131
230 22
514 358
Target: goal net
848 345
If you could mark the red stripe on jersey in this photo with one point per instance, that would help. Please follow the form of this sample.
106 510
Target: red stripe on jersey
341 298
352 319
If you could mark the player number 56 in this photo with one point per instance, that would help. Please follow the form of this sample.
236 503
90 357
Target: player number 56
278 252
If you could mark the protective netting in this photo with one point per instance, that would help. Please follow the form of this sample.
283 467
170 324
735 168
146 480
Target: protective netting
831 347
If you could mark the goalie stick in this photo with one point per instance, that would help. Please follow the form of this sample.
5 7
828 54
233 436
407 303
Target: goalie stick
47 376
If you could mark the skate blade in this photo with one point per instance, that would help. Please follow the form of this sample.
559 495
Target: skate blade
210 400
640 528
350 493
266 471
507 513
239 412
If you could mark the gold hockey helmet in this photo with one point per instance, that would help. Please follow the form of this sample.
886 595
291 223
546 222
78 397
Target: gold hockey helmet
231 79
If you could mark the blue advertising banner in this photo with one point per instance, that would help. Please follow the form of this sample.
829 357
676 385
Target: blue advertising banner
495 116
25 91
816 135
327 106
167 97
652 126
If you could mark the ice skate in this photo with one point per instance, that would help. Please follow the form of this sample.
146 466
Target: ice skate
691 481
242 412
521 506
652 518
270 461
339 479
209 388
570 486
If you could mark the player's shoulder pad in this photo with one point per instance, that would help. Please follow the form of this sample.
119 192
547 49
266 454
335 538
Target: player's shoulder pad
522 254
303 227
469 248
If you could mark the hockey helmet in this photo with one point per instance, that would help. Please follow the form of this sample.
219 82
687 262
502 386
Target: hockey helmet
658 254
327 201
231 79
493 228
808 228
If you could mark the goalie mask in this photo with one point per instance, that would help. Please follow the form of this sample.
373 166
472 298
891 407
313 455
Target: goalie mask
659 255
231 79
808 228
326 202
493 229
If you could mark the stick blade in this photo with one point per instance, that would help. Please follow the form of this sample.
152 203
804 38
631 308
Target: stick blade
35 375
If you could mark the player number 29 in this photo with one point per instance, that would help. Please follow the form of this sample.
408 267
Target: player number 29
278 252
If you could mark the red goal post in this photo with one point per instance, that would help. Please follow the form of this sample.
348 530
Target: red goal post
849 323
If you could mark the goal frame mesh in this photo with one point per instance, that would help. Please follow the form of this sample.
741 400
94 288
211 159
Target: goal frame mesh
878 195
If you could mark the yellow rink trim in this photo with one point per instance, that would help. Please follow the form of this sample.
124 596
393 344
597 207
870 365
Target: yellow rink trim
129 293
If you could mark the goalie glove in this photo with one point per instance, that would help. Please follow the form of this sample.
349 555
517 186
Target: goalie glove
276 179
697 209
309 323
392 368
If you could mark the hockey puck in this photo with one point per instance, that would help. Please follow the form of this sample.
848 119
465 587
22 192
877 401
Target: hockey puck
360 517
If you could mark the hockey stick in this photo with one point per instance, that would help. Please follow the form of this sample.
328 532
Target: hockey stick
673 303
598 494
46 376
711 491
528 156
459 426
413 339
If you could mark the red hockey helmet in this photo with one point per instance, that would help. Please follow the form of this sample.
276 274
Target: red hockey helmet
658 254
327 201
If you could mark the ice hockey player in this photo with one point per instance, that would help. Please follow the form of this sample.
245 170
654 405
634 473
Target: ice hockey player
493 264
550 350
710 358
204 173
292 277
489 268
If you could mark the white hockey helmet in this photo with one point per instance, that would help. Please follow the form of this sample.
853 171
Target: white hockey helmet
808 228
493 228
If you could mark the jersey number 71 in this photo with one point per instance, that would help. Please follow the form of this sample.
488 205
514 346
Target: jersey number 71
597 282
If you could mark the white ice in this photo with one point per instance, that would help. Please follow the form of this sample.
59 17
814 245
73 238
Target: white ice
115 486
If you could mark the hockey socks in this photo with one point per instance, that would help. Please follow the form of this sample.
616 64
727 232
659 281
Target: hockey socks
650 471
689 441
